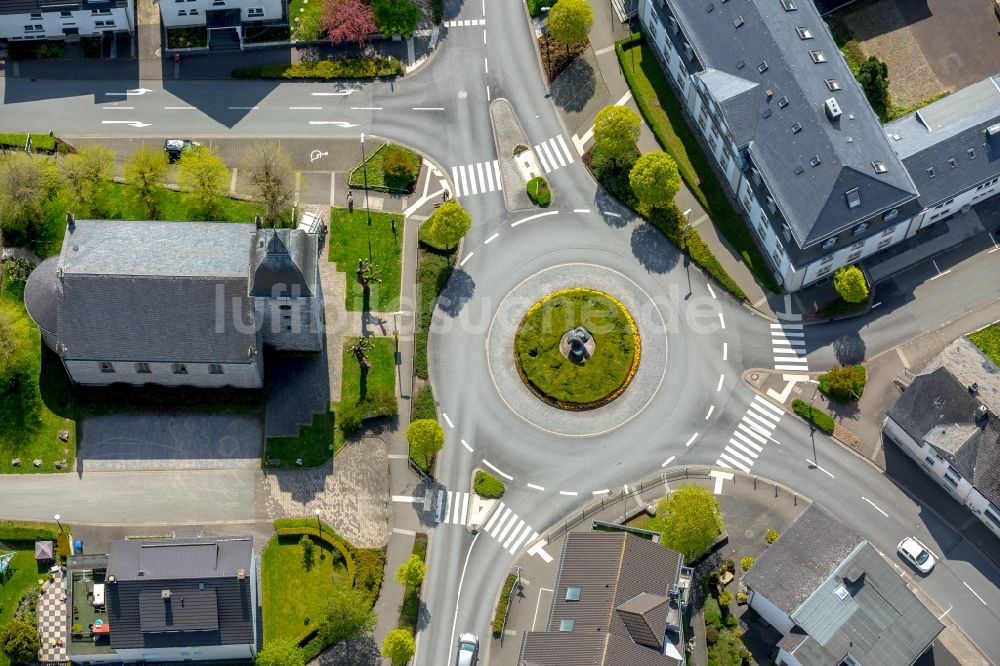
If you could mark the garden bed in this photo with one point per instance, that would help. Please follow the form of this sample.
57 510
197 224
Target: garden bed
194 37
376 67
987 340
376 178
814 415
433 270
269 33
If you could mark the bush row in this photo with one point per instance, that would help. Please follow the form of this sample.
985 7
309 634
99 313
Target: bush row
40 143
377 67
424 406
814 415
500 616
21 530
433 271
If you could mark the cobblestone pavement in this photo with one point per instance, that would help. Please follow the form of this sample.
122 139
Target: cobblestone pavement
353 497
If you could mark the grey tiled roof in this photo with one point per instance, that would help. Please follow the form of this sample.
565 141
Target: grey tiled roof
813 201
208 602
29 6
41 294
611 569
644 617
286 259
802 558
880 621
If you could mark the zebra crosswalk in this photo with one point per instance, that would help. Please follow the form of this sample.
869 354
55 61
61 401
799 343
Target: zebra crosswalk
751 435
553 153
476 178
459 23
788 346
509 530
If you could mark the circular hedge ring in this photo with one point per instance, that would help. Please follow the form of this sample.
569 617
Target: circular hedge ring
565 383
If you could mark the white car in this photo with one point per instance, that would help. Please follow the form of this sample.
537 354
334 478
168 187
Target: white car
468 650
917 554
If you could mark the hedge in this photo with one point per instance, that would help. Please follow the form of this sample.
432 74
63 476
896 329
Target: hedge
488 486
424 406
816 416
40 143
501 613
377 67
20 530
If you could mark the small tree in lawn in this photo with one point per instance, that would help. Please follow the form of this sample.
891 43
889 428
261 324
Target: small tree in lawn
348 21
570 22
25 184
280 652
19 640
308 552
873 75
689 521
426 438
616 129
398 646
360 350
850 283
204 176
368 274
348 614
145 172
269 169
654 179
87 174
446 226
411 572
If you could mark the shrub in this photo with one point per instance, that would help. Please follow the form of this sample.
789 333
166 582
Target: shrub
816 416
369 571
729 565
424 406
712 612
400 165
746 563
19 530
741 597
446 226
19 640
488 486
539 192
345 68
724 599
535 6
437 10
851 284
771 536
713 578
396 17
426 437
501 611
711 634
731 621
844 384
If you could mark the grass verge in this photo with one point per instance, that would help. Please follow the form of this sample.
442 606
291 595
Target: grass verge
539 192
662 110
500 616
378 179
814 415
433 270
348 240
314 445
40 143
409 611
987 340
370 394
424 406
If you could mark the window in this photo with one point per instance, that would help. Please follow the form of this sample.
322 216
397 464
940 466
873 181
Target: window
107 366
890 214
789 5
879 166
762 67
884 243
773 207
142 368
833 84
929 461
853 255
108 24
36 17
827 259
993 517
783 102
814 161
193 12
930 172
762 230
737 22
829 242
725 160
747 201
33 28
218 3
888 230
214 369
817 56
853 197
796 128
179 369
857 246
804 33
66 15
823 271
777 256
182 12
972 153
841 592
566 625
861 228
572 593
255 11
95 12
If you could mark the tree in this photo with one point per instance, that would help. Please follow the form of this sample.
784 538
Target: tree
19 640
87 173
446 226
17 350
204 176
616 129
689 521
401 167
348 614
570 22
280 652
850 283
654 179
398 646
368 274
426 438
873 75
411 572
308 552
360 350
269 169
396 17
145 172
348 21
24 187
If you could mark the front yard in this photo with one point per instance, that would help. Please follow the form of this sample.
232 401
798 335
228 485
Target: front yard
988 341
348 239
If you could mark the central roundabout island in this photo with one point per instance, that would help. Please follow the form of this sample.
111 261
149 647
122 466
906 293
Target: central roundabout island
577 348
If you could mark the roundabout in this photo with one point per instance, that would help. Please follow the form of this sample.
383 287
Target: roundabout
577 348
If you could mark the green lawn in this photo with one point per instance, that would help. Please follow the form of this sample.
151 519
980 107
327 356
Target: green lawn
988 341
348 240
377 179
22 575
315 444
538 354
380 382
290 593
433 270
309 11
663 112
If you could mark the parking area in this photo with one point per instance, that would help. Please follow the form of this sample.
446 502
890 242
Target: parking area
930 45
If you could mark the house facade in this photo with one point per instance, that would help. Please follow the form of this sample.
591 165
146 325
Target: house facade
26 20
835 600
818 179
176 303
946 420
221 14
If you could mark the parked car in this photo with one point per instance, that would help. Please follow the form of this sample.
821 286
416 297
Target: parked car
917 554
468 650
176 147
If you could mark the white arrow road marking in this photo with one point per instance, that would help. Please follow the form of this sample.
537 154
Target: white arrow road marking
720 478
338 123
137 91
337 93
133 123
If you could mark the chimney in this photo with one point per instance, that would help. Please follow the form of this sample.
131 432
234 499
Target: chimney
241 574
832 109
974 388
165 594
70 222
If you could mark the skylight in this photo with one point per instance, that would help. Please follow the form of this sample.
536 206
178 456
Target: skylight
841 593
796 128
930 172
972 153
818 56
833 84
783 102
879 166
815 160
853 198
789 5
567 625
738 21
952 163
762 67
804 33
572 594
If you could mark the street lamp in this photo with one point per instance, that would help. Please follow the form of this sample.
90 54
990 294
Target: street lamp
548 57
58 523
368 210
687 261
812 428
395 323
319 525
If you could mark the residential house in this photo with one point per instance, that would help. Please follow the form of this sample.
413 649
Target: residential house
946 420
819 180
26 20
618 600
835 599
225 17
169 600
176 303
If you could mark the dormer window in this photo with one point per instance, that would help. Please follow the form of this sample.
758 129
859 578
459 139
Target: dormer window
833 84
879 166
789 5
952 163
972 153
860 229
762 67
829 242
930 172
817 56
854 197
738 21
804 33
783 102
796 128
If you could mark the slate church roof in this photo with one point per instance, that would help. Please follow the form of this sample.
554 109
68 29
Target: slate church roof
284 261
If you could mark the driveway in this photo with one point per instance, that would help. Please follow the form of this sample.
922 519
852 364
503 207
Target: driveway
137 442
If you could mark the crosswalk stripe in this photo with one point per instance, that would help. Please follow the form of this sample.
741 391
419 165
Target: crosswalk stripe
555 151
472 180
513 534
482 180
759 400
489 176
496 170
458 510
569 154
503 519
733 463
799 352
722 464
756 425
745 433
517 544
465 506
503 532
766 416
541 158
777 335
744 448
791 342
792 359
746 440
734 454
464 187
788 327
548 154
493 518
784 366
454 179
